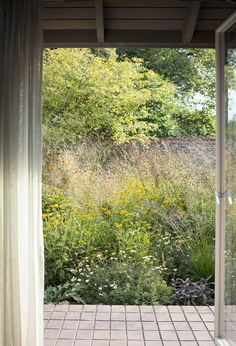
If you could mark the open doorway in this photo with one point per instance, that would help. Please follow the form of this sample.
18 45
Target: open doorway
129 162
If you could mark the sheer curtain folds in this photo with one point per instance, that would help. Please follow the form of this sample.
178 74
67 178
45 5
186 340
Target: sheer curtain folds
21 241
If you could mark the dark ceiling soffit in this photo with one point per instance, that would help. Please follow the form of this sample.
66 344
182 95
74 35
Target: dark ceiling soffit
129 38
190 21
99 20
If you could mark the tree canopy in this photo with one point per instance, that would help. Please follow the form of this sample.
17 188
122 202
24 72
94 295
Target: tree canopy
115 95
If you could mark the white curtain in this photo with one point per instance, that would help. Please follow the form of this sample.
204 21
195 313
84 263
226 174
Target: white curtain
21 242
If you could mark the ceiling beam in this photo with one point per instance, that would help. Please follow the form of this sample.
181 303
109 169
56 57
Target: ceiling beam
99 20
190 21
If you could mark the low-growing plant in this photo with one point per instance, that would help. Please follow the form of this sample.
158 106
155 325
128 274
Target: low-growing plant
64 294
147 207
188 292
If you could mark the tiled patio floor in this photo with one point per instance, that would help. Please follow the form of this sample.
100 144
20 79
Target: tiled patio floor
103 325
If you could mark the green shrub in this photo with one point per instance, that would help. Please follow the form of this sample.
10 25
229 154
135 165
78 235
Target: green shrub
148 208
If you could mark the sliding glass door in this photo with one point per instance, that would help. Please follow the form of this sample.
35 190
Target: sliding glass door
225 313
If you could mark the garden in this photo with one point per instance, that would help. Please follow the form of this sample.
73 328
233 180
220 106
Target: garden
128 176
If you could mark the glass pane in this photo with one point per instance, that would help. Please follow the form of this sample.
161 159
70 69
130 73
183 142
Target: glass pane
230 200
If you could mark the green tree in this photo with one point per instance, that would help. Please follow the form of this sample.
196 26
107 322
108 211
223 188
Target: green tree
192 70
88 95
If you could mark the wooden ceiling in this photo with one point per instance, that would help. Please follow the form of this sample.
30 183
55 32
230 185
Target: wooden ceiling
133 23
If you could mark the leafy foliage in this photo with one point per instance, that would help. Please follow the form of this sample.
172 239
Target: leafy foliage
139 215
187 292
94 94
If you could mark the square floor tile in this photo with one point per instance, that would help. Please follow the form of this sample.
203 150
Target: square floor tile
83 343
150 326
69 324
118 325
151 335
168 335
102 324
84 334
51 333
135 325
182 326
202 336
101 334
55 324
100 343
185 335
67 334
118 335
134 335
86 324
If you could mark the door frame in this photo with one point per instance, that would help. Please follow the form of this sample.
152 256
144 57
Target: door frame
220 181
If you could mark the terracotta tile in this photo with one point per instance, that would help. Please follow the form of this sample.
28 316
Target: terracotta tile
118 335
67 334
151 335
101 334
